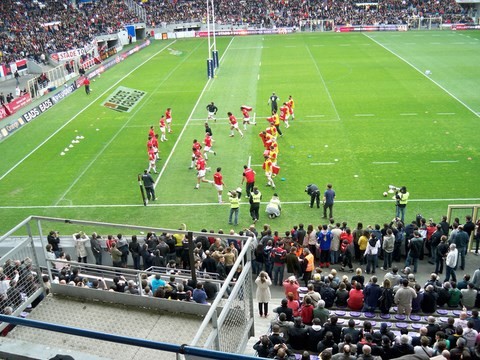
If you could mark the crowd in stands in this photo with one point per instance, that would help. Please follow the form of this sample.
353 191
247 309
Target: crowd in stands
307 318
38 29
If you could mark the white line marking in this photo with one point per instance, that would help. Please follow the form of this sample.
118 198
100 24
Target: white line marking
81 111
445 113
256 165
249 161
187 122
320 164
443 161
364 115
132 116
408 114
384 162
324 84
258 77
86 206
314 116
421 72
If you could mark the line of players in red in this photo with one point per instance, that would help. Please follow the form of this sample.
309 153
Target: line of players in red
200 152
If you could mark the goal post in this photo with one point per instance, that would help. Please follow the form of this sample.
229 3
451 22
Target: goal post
462 210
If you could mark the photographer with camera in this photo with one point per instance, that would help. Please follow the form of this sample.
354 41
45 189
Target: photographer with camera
314 193
401 197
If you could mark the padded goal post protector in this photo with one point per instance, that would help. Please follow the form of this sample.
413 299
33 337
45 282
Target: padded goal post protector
246 107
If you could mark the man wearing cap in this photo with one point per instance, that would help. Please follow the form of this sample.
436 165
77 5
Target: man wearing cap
148 184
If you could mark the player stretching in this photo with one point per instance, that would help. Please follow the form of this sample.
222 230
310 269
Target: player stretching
218 181
208 146
285 114
201 165
246 116
196 147
163 128
212 111
291 106
168 118
233 125
267 166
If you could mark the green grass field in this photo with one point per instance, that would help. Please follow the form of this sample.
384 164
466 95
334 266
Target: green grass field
366 116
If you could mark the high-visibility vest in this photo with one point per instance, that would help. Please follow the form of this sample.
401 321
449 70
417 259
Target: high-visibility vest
404 199
234 202
256 197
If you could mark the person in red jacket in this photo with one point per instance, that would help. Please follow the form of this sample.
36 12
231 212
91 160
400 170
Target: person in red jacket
306 311
355 298
86 82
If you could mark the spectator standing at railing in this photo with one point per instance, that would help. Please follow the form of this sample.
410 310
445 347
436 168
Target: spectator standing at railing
116 256
80 239
134 248
96 247
54 240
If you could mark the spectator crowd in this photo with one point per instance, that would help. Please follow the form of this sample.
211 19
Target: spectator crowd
38 29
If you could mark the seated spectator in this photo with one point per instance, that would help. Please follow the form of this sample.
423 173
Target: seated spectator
283 324
341 296
366 340
306 311
452 338
263 346
314 296
293 304
386 299
394 277
461 351
469 296
403 348
428 304
475 319
423 348
321 313
351 331
328 342
455 296
443 294
347 344
432 328
462 320
314 334
416 340
332 326
355 298
328 294
470 334
283 308
384 331
297 335
199 294
358 277
291 285
275 337
282 352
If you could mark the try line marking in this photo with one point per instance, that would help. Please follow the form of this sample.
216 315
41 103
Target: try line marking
81 111
87 206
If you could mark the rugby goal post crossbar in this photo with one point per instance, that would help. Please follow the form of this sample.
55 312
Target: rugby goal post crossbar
474 208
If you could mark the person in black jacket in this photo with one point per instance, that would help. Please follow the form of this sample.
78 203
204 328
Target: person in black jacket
297 335
314 193
285 310
429 301
263 346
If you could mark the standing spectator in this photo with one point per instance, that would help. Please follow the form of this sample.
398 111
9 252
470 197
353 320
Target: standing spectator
309 260
403 298
476 236
291 285
372 293
292 262
434 242
442 250
328 200
17 77
279 255
80 239
335 245
415 245
388 245
371 253
96 247
53 239
263 293
324 239
461 240
451 263
221 269
134 248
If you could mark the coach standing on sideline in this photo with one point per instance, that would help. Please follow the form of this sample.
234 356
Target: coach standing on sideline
272 101
314 193
328 199
148 184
